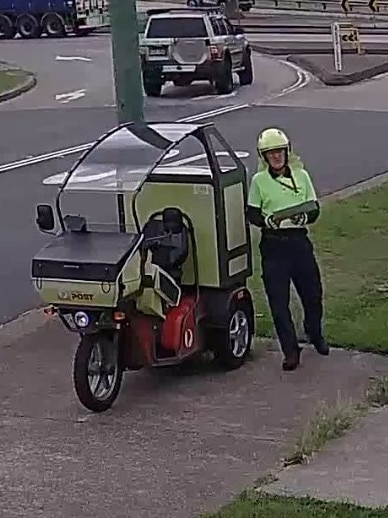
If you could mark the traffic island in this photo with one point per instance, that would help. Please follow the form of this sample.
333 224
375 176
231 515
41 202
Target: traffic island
14 82
355 67
319 61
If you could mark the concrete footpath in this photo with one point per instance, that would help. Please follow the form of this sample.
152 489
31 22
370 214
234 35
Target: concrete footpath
174 444
353 468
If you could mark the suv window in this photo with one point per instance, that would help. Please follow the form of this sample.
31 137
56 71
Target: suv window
229 27
176 28
216 28
222 25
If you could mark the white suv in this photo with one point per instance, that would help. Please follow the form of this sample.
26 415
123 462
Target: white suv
186 45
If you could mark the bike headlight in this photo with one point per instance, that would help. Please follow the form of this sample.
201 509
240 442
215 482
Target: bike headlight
81 319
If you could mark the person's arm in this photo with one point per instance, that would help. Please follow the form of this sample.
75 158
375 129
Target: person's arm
312 215
254 212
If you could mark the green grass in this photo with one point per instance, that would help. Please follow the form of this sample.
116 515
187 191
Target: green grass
8 81
329 422
351 243
265 506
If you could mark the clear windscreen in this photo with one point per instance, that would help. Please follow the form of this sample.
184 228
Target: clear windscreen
124 162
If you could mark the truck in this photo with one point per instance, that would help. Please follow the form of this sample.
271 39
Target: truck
56 18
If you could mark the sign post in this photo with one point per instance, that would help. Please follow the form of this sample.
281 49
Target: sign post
336 35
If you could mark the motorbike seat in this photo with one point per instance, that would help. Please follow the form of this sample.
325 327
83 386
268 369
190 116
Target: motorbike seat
172 249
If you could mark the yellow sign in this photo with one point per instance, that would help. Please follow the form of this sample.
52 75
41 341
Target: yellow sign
351 37
372 4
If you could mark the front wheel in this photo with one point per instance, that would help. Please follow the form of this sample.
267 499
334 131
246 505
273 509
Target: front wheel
232 344
97 372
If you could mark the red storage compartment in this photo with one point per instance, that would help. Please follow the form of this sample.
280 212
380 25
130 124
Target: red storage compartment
180 322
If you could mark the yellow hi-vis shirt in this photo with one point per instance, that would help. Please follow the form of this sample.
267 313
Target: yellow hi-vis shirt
271 193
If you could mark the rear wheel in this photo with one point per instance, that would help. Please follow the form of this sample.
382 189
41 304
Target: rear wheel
53 26
97 372
224 82
152 85
7 30
246 75
28 27
232 344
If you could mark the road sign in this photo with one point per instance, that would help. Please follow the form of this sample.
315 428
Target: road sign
372 4
345 5
336 35
352 37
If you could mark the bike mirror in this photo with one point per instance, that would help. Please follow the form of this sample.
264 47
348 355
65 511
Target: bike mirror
45 219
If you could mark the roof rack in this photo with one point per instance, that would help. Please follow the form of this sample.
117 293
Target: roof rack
209 10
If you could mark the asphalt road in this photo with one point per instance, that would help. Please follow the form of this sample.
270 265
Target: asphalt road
338 146
77 73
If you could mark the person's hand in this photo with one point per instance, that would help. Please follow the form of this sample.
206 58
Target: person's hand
299 219
271 222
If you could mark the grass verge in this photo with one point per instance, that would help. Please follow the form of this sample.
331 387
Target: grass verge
351 243
9 80
265 506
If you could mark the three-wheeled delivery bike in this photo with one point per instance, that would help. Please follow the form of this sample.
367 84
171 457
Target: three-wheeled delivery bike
150 261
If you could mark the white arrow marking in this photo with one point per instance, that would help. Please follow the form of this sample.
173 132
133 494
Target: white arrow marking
58 179
71 58
71 96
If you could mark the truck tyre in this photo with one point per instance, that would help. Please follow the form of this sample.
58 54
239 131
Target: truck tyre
246 75
224 82
7 29
232 343
152 85
53 26
106 375
28 27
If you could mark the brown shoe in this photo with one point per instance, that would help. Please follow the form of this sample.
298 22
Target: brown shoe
291 362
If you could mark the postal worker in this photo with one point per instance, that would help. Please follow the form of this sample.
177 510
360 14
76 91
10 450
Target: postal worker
287 253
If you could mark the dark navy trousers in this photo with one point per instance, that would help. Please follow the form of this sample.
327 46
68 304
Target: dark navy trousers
288 256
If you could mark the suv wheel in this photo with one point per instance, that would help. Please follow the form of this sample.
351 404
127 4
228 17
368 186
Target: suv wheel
152 85
224 82
246 75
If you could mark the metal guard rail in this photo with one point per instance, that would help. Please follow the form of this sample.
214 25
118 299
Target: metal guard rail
329 6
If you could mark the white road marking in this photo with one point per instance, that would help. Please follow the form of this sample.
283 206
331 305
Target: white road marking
71 96
61 153
215 96
71 58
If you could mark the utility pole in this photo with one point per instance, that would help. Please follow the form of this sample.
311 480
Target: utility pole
126 60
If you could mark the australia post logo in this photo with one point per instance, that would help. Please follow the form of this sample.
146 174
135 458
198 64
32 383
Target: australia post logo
75 296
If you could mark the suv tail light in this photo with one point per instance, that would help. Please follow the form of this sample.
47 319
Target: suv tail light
215 52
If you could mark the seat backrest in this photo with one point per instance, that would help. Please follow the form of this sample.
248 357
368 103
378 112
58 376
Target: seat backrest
173 250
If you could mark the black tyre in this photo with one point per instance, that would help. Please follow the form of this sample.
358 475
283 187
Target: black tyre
246 75
28 27
232 344
192 3
97 372
224 82
7 30
152 85
53 26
